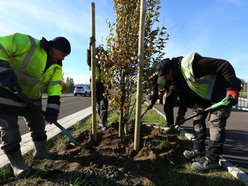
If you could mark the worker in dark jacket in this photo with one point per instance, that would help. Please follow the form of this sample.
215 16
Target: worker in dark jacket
171 99
203 81
101 100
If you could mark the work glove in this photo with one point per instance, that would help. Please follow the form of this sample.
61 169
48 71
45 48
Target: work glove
150 106
91 41
235 95
179 120
8 79
51 115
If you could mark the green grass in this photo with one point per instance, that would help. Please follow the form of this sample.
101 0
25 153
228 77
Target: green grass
185 176
152 117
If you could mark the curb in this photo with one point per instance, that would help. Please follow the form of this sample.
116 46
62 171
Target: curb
234 171
52 131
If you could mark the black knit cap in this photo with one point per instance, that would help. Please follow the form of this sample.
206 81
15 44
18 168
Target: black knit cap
164 67
61 44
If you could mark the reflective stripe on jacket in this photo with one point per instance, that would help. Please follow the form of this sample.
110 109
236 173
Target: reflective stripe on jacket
201 86
28 60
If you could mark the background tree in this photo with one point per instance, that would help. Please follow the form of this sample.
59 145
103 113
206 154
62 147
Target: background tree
120 61
70 84
64 85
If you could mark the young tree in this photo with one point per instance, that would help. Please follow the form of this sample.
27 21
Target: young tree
64 85
120 61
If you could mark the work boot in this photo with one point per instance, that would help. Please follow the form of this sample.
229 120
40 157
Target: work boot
18 165
204 165
41 151
193 153
102 125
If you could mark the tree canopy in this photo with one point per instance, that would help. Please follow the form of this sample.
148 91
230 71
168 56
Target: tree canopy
120 59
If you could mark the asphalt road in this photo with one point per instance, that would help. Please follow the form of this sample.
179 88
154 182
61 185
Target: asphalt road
236 144
69 105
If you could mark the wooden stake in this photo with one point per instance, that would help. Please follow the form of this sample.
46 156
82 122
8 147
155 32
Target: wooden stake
93 72
140 75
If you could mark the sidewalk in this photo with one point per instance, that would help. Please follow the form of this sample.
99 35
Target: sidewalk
52 130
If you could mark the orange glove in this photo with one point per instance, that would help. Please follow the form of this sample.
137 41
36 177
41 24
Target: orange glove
235 94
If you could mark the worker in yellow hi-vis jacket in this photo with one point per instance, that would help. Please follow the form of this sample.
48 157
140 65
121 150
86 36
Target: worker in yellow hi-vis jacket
29 66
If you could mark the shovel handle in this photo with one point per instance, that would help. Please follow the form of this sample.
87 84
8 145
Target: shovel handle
66 133
144 113
224 102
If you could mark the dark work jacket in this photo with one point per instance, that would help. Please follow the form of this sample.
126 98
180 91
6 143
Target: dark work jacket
171 94
100 90
225 79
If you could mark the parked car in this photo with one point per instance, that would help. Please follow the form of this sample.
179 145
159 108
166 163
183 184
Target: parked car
82 90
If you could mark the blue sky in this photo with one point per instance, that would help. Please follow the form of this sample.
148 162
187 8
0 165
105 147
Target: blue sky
215 28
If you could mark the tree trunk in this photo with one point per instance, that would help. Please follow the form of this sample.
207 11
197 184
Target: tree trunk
121 118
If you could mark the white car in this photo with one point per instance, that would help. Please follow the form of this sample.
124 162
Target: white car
82 90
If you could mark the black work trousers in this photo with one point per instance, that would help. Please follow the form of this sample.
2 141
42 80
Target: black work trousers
9 129
217 123
102 109
169 104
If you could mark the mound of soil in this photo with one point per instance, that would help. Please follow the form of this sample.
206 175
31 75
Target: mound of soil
111 160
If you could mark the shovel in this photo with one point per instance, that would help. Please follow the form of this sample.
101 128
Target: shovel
144 112
29 102
224 102
64 131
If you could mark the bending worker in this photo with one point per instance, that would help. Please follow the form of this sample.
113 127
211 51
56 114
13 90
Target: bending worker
169 103
203 81
29 66
101 100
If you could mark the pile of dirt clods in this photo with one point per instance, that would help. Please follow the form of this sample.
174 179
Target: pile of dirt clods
112 160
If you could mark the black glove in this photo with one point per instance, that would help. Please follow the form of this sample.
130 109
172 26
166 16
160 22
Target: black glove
92 40
8 79
179 120
51 115
150 106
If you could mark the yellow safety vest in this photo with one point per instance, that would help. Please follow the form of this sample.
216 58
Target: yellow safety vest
201 86
28 60
99 72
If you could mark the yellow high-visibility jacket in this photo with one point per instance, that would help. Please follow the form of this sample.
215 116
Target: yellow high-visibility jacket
201 86
27 59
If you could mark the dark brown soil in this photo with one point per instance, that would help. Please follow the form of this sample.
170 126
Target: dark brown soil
112 160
